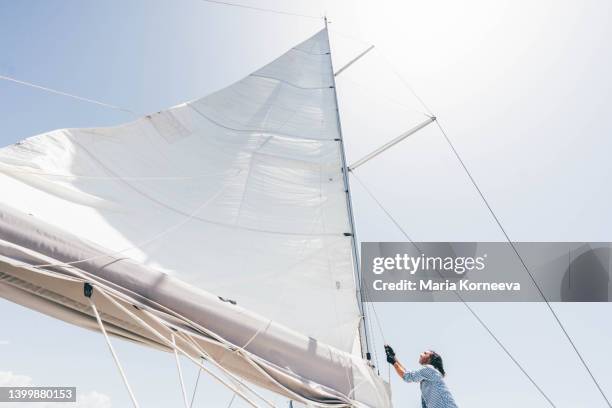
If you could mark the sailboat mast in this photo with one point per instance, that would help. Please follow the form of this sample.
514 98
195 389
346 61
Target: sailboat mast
363 333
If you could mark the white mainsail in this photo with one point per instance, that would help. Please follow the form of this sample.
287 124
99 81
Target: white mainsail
238 195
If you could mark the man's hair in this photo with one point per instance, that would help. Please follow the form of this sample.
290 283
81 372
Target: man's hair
436 360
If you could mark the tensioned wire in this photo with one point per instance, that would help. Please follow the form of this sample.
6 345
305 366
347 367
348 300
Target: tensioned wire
157 236
102 289
153 316
267 10
197 210
365 88
377 320
441 129
195 387
180 372
231 402
502 229
405 234
168 343
493 214
476 316
140 244
113 353
69 95
470 309
548 305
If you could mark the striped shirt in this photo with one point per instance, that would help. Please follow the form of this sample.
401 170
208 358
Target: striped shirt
434 392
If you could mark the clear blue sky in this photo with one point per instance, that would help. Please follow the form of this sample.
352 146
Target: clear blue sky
523 89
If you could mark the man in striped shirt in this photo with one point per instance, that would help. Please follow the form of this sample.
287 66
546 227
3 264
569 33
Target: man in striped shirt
434 392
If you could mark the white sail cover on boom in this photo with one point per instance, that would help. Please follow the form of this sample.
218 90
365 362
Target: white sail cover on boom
238 195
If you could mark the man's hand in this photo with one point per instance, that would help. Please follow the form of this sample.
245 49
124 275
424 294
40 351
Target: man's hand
390 354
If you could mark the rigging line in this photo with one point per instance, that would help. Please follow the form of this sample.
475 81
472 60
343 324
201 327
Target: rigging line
376 318
370 303
195 388
104 288
368 322
132 297
112 350
472 311
206 356
373 197
215 339
180 372
242 348
368 300
169 344
389 374
380 329
524 264
403 81
246 355
498 222
375 344
69 95
382 94
267 10
393 69
349 36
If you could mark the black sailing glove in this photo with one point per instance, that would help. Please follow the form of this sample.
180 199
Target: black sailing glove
390 354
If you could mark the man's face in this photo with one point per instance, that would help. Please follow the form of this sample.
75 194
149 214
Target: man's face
424 357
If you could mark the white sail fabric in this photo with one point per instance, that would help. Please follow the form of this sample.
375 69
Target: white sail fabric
239 193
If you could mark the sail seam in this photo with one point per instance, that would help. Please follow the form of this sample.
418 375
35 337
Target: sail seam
255 131
201 219
310 53
308 88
